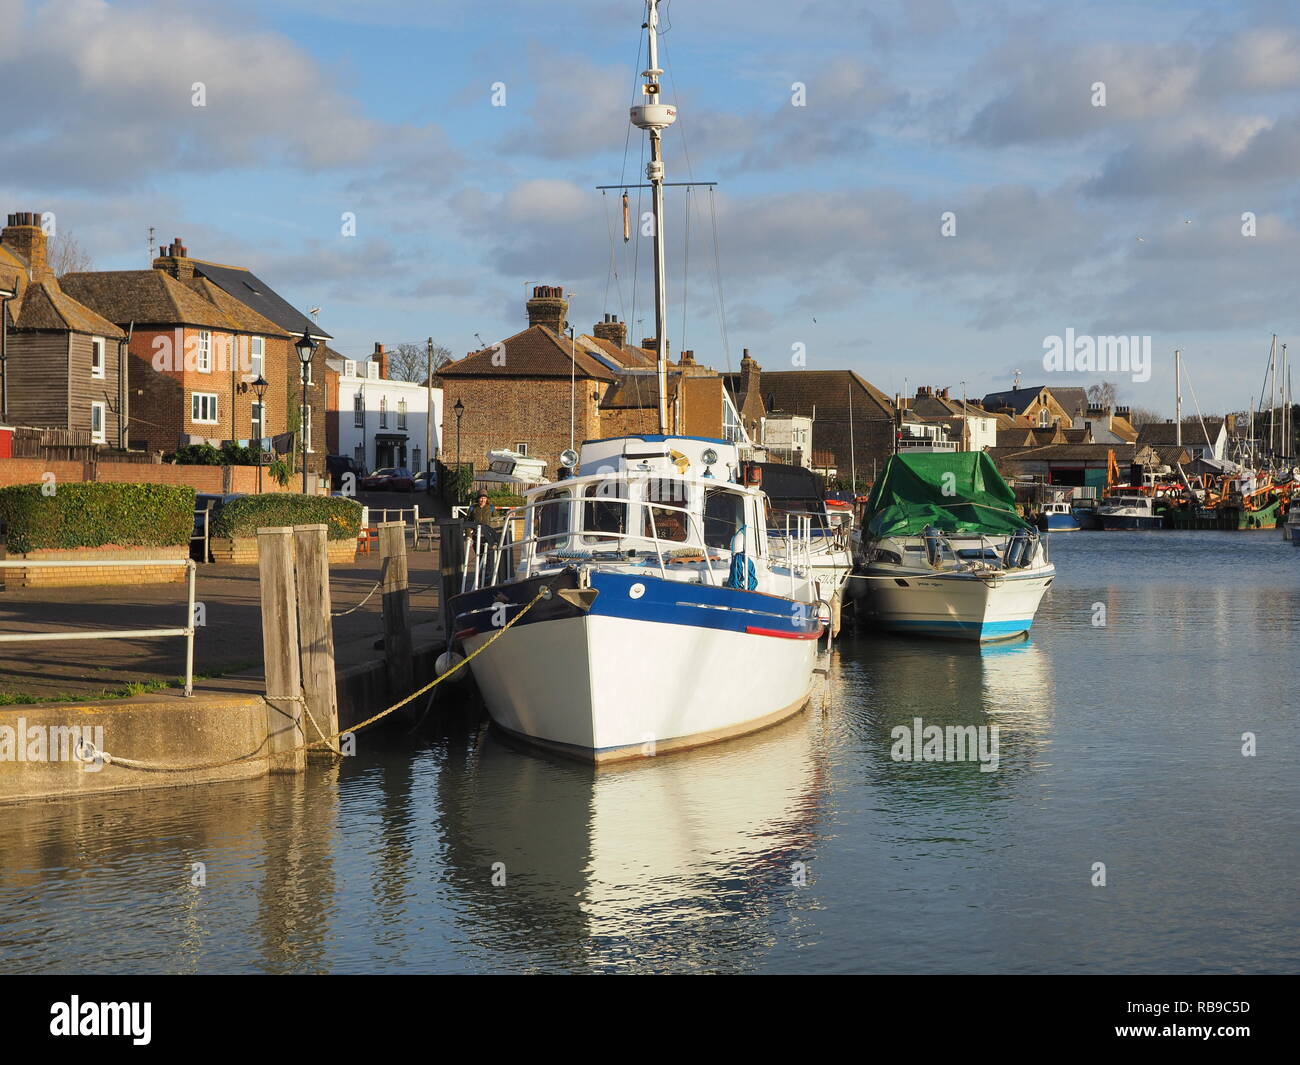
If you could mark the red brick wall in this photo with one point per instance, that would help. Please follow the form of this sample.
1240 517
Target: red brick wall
203 478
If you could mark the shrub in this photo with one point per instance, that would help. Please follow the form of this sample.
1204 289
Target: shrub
196 455
97 515
244 516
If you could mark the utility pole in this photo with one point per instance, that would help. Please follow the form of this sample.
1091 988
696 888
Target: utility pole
428 412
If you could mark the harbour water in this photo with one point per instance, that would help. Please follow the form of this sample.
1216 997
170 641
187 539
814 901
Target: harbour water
806 848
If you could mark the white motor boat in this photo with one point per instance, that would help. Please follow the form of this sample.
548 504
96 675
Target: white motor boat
946 554
664 622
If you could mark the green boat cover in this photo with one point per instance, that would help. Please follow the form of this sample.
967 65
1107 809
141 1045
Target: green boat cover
953 491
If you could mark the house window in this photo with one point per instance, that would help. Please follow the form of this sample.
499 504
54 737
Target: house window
359 410
401 414
97 357
383 412
359 456
415 460
97 423
372 371
521 449
203 362
257 353
306 429
203 407
1042 418
349 367
259 430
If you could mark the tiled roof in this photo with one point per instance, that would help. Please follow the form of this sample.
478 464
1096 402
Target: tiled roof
1066 453
1072 399
45 306
536 352
146 297
253 292
638 391
1164 432
798 391
632 358
248 320
1015 398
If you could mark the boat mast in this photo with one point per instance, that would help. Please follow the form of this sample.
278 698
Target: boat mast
1178 397
655 117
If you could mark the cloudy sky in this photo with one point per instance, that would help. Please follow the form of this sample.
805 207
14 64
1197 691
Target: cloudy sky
1124 219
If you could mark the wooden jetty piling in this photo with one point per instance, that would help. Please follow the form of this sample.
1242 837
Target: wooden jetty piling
280 648
451 548
398 648
317 638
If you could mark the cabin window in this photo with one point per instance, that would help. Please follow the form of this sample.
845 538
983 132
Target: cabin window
97 357
724 517
551 518
663 523
604 512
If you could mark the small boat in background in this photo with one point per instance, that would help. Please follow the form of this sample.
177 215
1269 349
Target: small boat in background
1128 512
1085 514
1058 516
1291 527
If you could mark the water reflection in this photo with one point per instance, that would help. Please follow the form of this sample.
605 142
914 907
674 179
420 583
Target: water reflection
675 862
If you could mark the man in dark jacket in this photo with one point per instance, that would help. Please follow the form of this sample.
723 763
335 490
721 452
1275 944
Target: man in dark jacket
481 515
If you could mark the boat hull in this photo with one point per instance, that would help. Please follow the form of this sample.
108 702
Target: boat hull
1061 522
953 606
1116 522
653 666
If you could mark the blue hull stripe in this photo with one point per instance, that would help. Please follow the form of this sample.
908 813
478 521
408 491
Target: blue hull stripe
700 605
988 630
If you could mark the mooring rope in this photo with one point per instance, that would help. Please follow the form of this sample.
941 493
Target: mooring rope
324 741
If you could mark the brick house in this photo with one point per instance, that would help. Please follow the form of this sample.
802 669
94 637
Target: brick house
196 347
1038 405
63 363
522 393
853 420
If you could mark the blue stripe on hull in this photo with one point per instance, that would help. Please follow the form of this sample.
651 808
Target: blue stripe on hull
965 630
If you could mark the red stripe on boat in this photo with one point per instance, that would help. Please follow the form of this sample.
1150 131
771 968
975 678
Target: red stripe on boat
754 630
466 632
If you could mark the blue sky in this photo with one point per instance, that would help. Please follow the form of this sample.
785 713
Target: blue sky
1122 219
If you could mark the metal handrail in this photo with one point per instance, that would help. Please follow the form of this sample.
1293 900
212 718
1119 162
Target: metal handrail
115 634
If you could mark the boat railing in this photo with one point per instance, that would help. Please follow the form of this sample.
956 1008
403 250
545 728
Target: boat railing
515 552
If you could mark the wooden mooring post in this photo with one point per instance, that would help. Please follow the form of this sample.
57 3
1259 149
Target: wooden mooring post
317 637
280 649
451 556
398 648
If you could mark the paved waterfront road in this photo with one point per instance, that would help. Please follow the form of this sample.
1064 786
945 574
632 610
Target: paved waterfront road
804 849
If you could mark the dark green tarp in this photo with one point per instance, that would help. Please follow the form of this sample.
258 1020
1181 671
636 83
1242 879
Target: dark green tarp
953 491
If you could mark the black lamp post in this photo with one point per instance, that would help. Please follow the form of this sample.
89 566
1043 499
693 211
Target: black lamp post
304 346
5 296
259 390
459 408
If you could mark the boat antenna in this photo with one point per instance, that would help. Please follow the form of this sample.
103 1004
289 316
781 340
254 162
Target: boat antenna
1178 397
655 117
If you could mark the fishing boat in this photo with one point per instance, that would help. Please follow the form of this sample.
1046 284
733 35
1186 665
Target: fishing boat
1128 512
646 611
945 552
1059 516
1085 514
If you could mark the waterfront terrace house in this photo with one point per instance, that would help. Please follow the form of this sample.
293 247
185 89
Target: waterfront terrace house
1038 405
1202 442
522 392
844 408
200 335
63 362
967 422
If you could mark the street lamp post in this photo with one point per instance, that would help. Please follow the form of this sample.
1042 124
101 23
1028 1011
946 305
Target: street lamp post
259 390
304 346
5 296
460 410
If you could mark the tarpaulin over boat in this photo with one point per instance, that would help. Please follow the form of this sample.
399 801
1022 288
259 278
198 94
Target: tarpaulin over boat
953 491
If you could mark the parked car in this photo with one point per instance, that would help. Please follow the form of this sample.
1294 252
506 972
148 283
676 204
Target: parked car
422 481
338 466
389 479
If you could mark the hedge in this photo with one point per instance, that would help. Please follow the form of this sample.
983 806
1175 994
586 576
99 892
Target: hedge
244 516
97 514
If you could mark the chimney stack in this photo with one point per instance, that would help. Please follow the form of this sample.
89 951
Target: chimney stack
611 329
381 356
24 235
174 259
750 375
548 307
